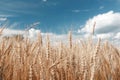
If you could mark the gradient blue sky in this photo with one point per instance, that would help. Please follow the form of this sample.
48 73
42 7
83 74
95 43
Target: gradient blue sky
56 16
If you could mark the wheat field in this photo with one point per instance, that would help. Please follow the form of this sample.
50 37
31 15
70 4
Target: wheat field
84 60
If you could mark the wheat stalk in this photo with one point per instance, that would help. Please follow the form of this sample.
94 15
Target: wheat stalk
70 39
93 30
94 59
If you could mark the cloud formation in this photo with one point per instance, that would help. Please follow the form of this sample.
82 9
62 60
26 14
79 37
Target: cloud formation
101 7
44 0
14 7
3 18
107 26
11 32
32 33
107 22
77 10
5 15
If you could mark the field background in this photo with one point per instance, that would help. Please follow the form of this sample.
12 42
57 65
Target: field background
22 59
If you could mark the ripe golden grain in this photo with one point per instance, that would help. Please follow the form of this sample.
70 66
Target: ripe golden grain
26 60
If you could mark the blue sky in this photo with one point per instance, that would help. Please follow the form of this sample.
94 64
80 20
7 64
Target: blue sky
56 16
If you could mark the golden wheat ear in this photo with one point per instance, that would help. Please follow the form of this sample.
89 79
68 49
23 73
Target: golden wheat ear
93 30
70 39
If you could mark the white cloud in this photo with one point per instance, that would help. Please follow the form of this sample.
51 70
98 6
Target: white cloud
107 22
101 7
14 7
76 11
6 15
32 33
117 36
54 38
44 0
105 36
107 26
3 19
10 32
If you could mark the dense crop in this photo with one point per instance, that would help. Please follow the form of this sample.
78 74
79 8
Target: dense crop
35 60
